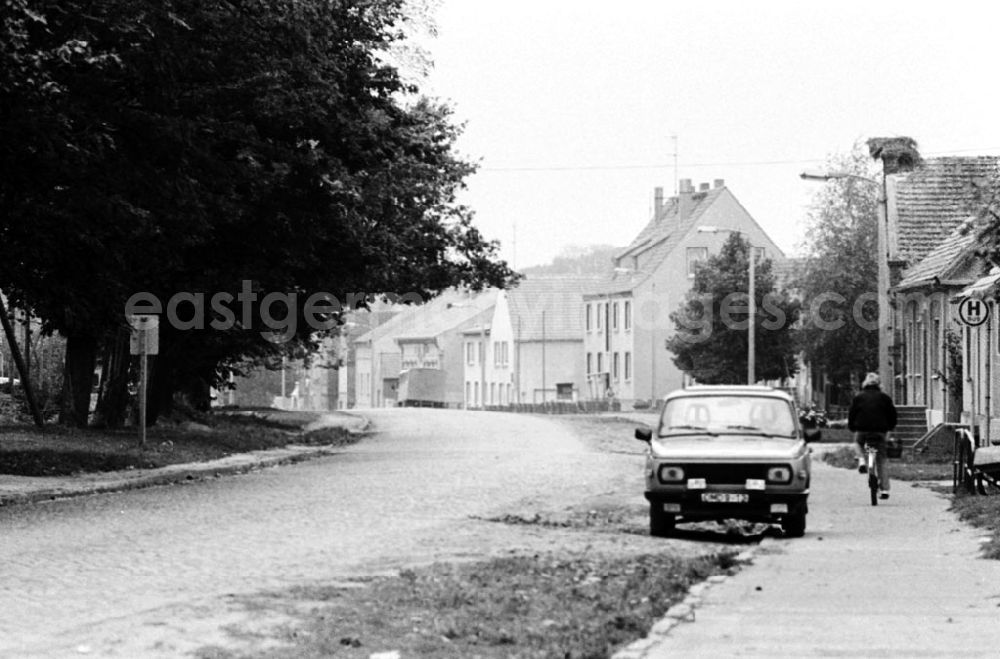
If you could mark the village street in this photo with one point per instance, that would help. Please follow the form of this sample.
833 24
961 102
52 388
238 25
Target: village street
149 572
160 572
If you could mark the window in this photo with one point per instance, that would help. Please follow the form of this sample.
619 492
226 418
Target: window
614 316
628 315
590 363
628 365
496 353
482 355
614 367
695 255
588 317
600 314
470 353
600 362
468 393
493 392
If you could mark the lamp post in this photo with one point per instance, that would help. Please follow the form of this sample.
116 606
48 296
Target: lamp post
884 368
751 305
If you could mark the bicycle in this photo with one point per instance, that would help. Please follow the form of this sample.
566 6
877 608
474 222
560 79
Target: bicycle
871 460
893 449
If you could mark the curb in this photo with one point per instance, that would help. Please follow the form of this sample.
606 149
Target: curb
122 481
682 612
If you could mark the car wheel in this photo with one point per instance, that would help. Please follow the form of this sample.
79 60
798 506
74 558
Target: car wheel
661 524
794 526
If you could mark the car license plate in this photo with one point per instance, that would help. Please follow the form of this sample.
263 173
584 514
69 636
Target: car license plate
724 497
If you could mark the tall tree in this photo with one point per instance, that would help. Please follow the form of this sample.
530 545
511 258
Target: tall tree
195 146
711 339
837 282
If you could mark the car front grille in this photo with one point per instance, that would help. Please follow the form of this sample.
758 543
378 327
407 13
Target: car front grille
727 474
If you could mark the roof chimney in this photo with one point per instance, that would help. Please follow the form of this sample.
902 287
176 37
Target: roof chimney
657 202
720 183
685 186
703 187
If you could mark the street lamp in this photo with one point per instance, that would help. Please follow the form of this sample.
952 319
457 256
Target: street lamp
752 304
882 292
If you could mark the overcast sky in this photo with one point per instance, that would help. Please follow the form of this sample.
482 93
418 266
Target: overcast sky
570 105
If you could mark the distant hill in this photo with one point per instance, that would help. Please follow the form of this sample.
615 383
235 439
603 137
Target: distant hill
578 260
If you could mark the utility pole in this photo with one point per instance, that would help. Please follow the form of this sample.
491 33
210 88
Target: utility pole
27 345
543 356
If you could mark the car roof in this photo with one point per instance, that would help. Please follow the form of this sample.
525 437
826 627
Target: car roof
729 390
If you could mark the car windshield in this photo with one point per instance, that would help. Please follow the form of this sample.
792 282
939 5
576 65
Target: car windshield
727 415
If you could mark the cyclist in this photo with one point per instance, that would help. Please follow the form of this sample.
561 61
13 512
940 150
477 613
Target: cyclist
871 417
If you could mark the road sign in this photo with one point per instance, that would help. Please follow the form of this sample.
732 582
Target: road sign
973 312
145 337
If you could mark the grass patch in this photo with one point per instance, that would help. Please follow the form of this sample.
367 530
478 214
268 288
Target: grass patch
982 512
605 433
911 467
57 451
522 606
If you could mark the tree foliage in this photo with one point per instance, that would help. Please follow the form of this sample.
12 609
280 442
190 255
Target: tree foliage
189 146
711 339
838 281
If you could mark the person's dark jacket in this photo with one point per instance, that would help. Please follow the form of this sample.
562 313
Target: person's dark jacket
871 410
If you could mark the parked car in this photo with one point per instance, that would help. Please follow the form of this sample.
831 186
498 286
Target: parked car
728 452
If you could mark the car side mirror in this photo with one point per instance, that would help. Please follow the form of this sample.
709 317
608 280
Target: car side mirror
812 434
644 434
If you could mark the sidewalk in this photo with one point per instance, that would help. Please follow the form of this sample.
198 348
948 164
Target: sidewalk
902 579
30 489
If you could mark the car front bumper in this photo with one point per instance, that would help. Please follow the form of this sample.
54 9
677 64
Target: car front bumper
760 506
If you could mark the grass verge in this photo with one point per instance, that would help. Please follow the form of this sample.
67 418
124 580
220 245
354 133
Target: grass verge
58 451
982 512
550 605
911 467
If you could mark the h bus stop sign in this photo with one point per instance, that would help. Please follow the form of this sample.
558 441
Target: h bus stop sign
973 312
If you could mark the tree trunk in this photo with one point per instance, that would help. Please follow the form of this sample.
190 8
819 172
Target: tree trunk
81 357
113 398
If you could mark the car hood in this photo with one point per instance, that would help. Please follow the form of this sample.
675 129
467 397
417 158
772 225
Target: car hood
727 447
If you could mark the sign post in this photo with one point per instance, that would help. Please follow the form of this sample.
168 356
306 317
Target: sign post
144 341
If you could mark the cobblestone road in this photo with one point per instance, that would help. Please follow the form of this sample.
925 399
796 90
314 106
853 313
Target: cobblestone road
151 570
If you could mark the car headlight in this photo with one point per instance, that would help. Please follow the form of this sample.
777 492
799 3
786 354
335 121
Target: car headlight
671 474
781 474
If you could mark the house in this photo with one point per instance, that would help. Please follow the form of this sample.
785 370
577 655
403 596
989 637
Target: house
530 350
931 258
357 323
926 321
980 347
427 335
626 317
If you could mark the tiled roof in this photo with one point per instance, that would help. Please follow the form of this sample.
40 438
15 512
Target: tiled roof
440 314
934 199
659 237
656 240
560 297
941 261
